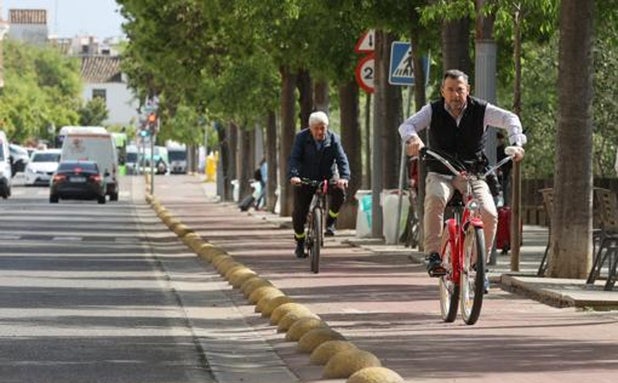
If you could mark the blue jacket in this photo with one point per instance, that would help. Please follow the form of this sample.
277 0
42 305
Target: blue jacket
306 161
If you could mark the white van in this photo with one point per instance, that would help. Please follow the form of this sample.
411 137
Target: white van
177 155
5 167
93 143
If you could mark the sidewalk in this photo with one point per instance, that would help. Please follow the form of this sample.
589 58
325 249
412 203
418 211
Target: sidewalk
380 299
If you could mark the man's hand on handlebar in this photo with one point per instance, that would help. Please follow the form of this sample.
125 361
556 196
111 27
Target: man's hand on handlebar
295 181
413 146
516 152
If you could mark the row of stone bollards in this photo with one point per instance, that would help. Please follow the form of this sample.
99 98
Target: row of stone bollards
341 359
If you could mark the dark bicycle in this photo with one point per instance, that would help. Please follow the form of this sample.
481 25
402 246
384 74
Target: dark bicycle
316 221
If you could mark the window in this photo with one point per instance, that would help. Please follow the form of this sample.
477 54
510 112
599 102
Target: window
99 93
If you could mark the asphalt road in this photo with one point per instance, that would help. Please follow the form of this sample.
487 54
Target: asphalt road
87 298
106 293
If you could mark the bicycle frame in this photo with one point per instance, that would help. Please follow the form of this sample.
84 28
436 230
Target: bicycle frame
456 226
317 207
319 197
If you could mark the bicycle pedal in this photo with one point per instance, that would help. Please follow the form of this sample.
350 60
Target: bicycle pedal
438 273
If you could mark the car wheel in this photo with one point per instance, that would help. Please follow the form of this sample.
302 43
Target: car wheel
101 200
113 197
53 198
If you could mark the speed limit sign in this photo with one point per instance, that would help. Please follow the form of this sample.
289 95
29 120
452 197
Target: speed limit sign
364 72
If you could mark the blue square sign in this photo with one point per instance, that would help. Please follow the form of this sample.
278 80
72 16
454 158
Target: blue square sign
401 69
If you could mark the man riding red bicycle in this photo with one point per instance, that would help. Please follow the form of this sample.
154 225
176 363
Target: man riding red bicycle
457 125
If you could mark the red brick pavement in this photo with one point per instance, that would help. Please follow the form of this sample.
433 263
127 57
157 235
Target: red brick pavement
387 305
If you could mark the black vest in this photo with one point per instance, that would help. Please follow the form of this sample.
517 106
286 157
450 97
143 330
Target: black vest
464 142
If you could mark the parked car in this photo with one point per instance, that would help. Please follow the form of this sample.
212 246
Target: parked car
19 158
75 179
5 167
41 167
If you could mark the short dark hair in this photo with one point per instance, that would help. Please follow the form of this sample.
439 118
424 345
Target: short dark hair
454 74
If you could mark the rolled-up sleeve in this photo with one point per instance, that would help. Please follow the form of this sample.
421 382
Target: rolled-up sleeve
502 118
417 122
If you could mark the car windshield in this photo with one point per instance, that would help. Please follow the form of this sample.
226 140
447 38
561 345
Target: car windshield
46 157
84 166
177 155
1 152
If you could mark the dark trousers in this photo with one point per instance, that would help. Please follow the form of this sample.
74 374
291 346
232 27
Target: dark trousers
302 199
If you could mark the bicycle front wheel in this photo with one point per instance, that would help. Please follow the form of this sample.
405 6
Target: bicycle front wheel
317 240
449 288
473 275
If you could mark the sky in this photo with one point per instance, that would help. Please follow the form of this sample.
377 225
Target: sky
70 18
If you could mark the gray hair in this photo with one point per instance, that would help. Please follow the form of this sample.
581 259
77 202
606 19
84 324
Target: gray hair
318 117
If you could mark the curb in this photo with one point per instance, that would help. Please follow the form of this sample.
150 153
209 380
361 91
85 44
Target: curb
294 319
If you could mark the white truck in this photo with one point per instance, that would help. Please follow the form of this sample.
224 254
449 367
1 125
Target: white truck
177 155
93 143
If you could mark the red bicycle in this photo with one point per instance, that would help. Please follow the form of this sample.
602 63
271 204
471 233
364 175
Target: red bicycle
463 245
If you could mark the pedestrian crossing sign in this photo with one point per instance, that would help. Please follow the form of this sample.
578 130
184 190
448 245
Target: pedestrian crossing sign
401 69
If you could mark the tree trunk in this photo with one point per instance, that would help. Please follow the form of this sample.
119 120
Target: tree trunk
286 134
271 160
380 82
245 160
233 147
351 139
456 44
571 220
367 135
420 99
305 96
320 95
224 158
391 144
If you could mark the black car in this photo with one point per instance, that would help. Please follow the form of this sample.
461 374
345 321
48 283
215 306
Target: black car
77 180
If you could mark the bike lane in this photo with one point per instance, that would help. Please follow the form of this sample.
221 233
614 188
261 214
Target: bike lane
386 305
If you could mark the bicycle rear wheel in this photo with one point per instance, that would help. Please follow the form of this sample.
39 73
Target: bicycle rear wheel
449 288
473 275
317 240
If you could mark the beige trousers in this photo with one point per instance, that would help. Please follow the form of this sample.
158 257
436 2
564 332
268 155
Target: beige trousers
439 189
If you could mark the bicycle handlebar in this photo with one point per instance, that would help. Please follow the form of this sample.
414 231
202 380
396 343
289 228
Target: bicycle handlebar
510 152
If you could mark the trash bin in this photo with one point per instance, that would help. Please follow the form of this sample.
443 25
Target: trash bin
363 213
235 190
389 200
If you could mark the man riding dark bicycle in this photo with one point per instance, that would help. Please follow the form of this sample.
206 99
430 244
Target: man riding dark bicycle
317 154
457 126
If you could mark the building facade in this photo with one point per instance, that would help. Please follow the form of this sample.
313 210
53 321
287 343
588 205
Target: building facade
100 63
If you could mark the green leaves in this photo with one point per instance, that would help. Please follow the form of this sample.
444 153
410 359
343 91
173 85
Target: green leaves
42 87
